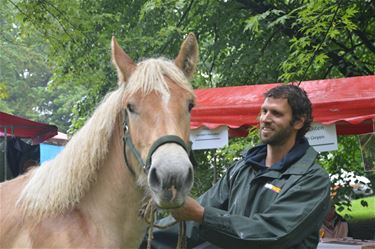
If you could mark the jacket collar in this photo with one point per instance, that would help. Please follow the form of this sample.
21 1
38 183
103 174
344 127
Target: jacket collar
255 157
298 168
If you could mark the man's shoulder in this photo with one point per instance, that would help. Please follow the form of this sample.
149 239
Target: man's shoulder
236 167
316 169
315 164
308 164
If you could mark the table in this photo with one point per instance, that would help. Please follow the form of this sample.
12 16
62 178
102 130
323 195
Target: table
346 243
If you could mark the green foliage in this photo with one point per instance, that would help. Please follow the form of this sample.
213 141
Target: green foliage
241 42
361 209
212 164
348 157
3 91
23 69
83 108
325 44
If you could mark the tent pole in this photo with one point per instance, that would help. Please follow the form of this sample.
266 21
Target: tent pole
5 155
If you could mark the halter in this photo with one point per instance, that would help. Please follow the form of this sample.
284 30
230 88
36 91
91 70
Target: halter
159 142
150 214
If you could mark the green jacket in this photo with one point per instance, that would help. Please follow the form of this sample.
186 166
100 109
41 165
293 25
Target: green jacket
252 209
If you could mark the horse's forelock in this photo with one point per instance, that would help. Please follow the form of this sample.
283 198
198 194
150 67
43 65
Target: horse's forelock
150 76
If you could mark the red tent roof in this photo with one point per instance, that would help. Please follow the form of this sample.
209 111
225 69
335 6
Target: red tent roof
24 128
347 102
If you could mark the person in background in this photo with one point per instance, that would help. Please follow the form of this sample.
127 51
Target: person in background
334 226
276 196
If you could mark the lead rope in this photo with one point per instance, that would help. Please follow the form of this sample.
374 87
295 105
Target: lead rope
182 242
149 216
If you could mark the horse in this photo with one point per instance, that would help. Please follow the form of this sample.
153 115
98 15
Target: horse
134 146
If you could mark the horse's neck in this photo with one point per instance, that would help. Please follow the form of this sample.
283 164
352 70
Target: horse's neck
115 198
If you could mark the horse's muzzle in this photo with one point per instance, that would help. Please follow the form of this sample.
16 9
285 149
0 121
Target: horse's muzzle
171 176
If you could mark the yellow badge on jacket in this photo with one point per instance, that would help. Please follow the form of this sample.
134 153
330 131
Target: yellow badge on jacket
272 187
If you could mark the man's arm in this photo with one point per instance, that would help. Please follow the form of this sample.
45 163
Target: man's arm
296 214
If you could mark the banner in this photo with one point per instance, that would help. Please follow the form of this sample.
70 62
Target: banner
322 137
204 138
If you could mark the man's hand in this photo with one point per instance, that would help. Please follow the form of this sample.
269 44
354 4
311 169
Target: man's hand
191 210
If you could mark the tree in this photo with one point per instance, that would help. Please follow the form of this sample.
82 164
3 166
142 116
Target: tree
25 78
23 68
242 42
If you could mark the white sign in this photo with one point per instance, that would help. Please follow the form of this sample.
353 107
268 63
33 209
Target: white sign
322 137
204 138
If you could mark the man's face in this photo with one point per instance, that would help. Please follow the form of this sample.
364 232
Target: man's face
276 122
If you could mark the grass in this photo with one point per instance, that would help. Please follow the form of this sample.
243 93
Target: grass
358 212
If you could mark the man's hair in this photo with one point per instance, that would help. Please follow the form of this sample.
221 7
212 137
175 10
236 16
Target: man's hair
298 101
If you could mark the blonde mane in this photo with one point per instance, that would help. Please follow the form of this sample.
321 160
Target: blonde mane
60 184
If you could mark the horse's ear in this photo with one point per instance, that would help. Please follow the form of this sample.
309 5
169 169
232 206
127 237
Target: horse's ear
123 63
187 58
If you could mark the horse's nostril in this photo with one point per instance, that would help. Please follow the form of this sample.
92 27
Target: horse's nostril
154 179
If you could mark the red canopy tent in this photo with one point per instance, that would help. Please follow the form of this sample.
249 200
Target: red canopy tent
11 125
347 102
14 126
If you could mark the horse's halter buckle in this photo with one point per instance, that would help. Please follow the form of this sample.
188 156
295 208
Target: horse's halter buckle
159 142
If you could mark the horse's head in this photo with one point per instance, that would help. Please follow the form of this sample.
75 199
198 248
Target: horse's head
157 107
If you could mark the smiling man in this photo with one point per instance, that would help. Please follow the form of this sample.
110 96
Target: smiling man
276 196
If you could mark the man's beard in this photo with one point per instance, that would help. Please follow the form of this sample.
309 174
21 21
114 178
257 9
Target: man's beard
278 138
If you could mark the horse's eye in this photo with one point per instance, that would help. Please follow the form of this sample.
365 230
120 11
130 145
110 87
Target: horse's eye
191 106
130 107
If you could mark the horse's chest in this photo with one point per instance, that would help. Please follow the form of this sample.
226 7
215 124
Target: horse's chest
71 230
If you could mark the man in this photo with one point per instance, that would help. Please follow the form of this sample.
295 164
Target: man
276 196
